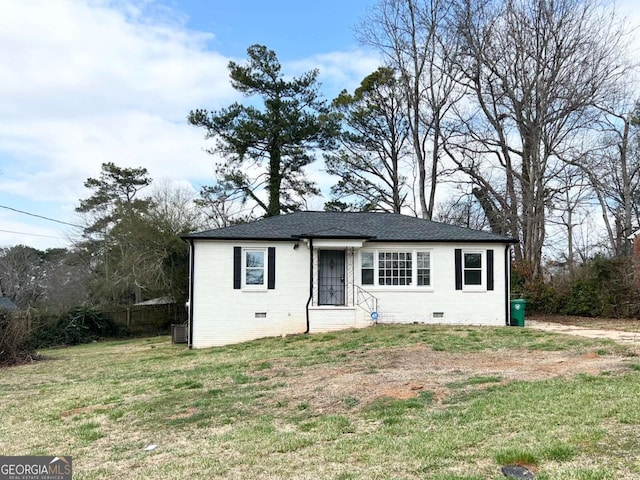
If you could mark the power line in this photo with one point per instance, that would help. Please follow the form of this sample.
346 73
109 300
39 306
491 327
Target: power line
41 216
32 234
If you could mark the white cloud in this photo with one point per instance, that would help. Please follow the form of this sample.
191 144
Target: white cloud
85 83
41 237
69 56
339 70
92 81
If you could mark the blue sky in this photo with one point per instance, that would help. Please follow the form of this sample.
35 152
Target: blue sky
92 81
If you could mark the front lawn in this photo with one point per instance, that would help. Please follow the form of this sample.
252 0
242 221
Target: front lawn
406 402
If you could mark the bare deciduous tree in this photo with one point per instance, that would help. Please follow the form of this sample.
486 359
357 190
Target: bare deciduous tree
20 275
569 210
53 279
414 37
536 71
463 210
614 171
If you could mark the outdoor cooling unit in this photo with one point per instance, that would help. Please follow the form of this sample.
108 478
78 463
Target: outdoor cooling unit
178 333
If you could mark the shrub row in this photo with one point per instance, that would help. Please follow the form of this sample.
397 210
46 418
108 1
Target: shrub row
79 325
14 340
603 287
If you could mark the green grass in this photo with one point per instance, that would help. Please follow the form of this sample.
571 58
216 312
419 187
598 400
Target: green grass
475 381
276 408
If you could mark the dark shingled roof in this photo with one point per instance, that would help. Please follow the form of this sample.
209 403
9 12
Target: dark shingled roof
382 227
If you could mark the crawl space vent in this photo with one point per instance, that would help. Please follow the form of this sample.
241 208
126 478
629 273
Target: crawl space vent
438 314
261 314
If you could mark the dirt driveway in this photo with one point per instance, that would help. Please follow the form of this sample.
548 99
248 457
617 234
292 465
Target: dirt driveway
626 337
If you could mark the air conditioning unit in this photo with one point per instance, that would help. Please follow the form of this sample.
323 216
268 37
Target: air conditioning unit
178 333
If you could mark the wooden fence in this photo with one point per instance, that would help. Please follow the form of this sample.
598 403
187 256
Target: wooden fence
139 319
149 318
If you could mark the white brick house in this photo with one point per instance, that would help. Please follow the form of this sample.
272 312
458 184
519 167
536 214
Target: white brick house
321 271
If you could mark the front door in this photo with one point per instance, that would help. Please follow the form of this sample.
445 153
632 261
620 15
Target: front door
331 277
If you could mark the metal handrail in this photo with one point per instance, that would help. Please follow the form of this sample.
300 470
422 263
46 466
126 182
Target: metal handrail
366 298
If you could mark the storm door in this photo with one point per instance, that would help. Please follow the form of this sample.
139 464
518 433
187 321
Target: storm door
331 270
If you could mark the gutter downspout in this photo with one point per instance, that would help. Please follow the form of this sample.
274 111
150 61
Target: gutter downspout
507 285
190 312
310 282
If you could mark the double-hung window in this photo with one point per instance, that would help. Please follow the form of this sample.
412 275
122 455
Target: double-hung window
423 268
254 267
474 269
367 268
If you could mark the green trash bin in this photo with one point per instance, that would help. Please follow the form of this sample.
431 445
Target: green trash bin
517 312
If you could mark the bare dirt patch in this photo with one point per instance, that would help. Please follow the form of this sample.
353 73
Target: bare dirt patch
627 337
404 373
622 324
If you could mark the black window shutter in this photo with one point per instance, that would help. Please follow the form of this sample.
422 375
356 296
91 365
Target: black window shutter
271 268
458 253
489 269
237 267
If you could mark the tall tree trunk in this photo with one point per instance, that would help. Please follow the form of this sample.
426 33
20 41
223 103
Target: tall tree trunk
625 247
275 180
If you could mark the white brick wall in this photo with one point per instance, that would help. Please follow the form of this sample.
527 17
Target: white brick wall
417 304
327 319
222 315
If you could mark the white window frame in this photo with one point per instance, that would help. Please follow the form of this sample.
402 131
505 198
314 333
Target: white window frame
483 271
414 268
430 284
251 286
373 268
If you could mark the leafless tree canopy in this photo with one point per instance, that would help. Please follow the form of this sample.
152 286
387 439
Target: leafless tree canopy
415 39
515 92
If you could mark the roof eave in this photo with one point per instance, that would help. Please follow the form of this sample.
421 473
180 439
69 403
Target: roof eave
337 237
449 240
353 237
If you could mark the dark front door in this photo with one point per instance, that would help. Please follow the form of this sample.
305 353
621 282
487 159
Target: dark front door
331 277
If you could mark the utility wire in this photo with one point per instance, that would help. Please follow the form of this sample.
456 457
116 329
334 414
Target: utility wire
41 216
32 234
